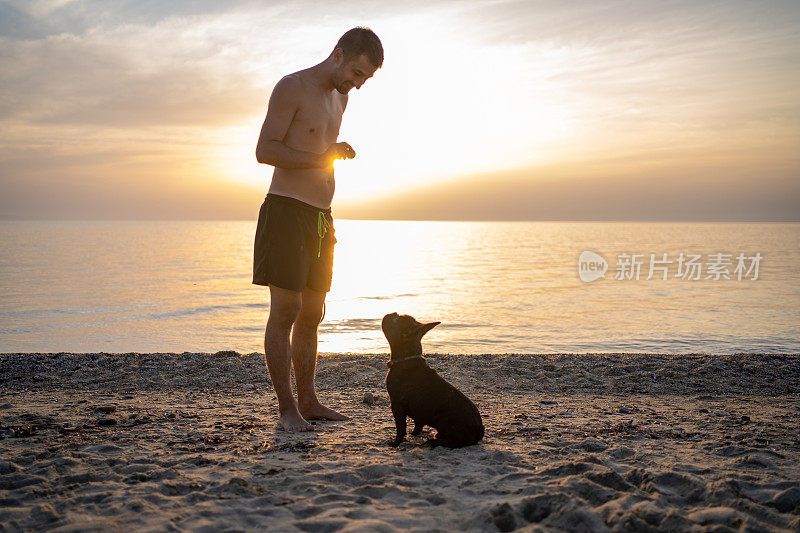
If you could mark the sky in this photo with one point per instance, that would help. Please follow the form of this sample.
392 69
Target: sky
484 109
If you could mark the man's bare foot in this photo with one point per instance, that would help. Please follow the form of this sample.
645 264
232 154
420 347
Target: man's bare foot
317 411
291 420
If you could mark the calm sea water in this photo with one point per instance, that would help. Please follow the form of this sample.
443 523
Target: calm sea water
496 287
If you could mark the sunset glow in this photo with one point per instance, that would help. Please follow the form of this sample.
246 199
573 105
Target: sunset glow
154 111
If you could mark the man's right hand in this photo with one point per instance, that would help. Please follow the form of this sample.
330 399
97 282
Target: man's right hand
338 151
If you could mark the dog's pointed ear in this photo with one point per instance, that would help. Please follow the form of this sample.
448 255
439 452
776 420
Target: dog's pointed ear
422 329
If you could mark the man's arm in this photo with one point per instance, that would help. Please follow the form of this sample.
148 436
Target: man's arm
270 150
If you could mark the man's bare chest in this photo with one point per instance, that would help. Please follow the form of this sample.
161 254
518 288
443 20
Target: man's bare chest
317 120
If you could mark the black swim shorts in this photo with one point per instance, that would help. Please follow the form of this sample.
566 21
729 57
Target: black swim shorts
294 245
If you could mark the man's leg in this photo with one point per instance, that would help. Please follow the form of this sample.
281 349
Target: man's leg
304 357
283 310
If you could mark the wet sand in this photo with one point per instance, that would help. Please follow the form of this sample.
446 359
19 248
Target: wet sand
153 442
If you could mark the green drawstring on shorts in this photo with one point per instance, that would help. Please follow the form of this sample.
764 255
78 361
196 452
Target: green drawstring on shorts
322 228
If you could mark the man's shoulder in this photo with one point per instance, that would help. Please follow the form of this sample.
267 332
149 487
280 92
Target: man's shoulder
290 82
289 91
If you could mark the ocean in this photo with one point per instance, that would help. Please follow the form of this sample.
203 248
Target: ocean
496 287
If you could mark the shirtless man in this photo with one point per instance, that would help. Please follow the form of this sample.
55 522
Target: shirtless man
294 238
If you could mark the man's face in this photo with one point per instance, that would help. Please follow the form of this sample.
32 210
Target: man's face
352 73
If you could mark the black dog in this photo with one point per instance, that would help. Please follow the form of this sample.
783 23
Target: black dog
417 391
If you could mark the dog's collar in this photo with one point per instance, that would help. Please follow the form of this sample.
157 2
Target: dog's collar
391 363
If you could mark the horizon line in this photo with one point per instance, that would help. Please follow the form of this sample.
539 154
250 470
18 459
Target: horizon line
372 219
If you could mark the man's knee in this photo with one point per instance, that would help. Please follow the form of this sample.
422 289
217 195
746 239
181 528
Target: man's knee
281 319
284 308
309 316
312 309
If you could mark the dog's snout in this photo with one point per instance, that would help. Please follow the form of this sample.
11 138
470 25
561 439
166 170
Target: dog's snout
389 319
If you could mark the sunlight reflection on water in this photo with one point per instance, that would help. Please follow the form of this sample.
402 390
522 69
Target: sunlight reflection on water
496 287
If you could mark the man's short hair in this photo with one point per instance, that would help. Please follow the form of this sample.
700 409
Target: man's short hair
359 41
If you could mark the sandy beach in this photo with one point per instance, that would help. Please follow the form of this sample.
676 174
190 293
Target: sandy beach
154 442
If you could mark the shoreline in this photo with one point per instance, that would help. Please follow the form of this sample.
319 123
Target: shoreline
624 442
622 373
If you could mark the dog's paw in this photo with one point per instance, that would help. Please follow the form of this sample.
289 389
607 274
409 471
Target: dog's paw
394 443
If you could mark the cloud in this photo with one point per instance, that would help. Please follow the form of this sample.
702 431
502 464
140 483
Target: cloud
130 76
145 64
18 24
707 59
78 16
